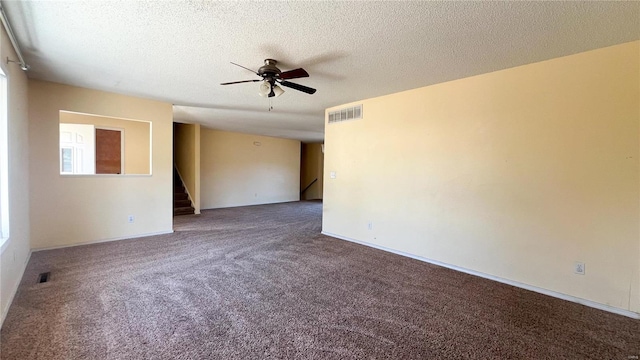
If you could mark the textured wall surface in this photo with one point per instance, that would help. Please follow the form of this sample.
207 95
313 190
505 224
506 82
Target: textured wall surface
515 174
240 169
67 210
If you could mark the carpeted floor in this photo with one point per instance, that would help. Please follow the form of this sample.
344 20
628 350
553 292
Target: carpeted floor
262 282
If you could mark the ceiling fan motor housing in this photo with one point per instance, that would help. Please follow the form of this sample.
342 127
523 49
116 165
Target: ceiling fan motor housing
269 69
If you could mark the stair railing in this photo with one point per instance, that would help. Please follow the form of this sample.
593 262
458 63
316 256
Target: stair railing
308 186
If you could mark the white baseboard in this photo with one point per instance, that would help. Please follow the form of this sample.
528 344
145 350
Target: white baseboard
102 241
555 294
14 291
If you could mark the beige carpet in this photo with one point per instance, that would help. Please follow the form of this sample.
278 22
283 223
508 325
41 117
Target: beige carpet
261 282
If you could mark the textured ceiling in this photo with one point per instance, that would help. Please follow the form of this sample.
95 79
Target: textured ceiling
179 51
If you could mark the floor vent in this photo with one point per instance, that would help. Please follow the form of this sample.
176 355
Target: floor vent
346 114
44 277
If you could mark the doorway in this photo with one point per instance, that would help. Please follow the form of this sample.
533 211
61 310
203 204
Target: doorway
109 143
311 171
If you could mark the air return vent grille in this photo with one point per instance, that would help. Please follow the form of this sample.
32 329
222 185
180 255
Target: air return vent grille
346 114
44 277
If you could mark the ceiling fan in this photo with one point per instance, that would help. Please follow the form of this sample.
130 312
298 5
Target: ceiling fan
272 77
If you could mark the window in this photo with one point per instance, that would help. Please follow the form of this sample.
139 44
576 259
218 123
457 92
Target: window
66 160
99 145
4 162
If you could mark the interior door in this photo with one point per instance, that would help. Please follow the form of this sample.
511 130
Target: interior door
108 151
77 149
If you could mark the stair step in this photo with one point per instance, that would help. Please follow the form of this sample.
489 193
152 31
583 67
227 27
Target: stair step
181 203
180 196
183 211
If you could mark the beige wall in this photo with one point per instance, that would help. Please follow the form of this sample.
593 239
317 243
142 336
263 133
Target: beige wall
516 174
67 210
137 138
312 165
236 172
186 154
16 250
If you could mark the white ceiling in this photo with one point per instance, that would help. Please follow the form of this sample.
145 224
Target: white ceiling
180 51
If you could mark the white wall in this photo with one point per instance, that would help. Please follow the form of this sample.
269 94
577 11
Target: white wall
235 171
515 174
15 253
68 210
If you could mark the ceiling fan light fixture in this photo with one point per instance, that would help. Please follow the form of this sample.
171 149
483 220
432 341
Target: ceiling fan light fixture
277 90
265 89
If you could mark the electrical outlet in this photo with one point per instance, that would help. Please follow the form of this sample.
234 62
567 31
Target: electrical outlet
131 219
578 268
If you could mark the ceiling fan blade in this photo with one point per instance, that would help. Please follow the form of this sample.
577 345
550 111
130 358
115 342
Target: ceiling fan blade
294 74
298 87
246 68
238 82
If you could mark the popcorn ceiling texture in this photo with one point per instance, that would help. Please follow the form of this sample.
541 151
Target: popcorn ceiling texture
179 51
262 282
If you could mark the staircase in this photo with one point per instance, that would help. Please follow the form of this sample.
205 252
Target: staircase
181 202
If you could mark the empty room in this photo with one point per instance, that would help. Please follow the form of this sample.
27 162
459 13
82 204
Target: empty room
319 180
